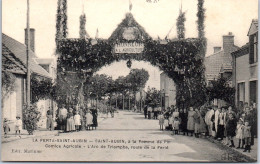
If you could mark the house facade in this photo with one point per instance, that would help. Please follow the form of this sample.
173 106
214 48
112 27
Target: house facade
245 65
14 63
168 91
219 64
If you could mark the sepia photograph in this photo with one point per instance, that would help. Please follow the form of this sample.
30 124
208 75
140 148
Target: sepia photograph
129 81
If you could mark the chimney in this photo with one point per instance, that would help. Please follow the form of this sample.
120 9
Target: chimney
32 38
228 42
217 49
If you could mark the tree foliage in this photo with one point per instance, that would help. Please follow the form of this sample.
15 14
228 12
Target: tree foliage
137 79
31 117
153 97
8 83
42 88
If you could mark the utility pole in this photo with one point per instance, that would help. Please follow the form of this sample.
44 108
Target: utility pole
28 80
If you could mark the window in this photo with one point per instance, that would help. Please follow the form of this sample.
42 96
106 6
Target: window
253 91
241 92
253 50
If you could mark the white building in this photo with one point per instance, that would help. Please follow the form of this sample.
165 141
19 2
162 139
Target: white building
168 91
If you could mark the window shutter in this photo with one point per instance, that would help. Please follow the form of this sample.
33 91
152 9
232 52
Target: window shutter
251 49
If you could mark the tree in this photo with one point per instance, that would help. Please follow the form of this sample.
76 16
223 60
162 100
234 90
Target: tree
137 78
180 25
99 86
153 97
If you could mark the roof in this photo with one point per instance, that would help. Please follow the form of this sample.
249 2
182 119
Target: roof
253 27
213 64
241 51
19 51
11 63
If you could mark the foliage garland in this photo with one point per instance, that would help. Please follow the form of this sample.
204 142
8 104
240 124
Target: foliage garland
201 26
82 30
180 60
180 25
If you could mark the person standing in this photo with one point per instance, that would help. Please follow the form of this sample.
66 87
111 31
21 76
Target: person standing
63 117
149 112
176 125
253 123
183 119
203 126
197 123
70 121
155 112
89 120
221 128
18 125
217 112
77 121
49 122
190 123
231 129
208 121
95 115
145 112
239 134
161 121
247 136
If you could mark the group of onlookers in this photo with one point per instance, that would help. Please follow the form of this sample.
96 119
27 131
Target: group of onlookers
226 123
76 119
222 124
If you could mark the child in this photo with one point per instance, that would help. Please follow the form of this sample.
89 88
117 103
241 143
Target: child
231 129
6 127
161 121
239 133
18 125
176 125
77 120
247 136
171 120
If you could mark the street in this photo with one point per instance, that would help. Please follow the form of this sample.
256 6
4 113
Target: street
126 137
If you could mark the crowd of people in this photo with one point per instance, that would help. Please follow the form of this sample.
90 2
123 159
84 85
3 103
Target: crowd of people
222 124
75 119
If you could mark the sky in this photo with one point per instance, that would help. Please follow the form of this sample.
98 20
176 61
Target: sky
222 16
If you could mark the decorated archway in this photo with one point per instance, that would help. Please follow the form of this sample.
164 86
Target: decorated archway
180 59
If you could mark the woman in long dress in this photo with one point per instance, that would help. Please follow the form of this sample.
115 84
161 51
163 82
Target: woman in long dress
197 123
89 120
184 120
70 121
191 124
95 115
